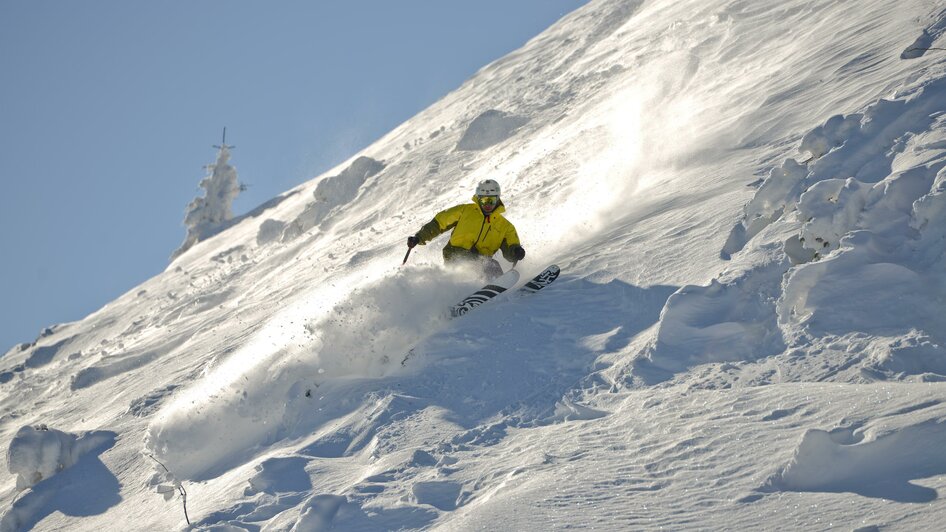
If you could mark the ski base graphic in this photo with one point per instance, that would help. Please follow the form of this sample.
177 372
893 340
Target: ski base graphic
493 289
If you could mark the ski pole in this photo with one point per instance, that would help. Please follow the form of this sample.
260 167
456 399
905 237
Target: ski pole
411 242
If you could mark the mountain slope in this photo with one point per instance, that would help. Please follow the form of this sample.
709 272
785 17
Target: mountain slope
747 205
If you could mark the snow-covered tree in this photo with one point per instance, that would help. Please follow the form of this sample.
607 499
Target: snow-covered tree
209 214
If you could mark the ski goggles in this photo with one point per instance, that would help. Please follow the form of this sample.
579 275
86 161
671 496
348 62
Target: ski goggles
489 201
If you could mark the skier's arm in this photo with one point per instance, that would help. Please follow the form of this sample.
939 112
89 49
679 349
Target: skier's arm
442 222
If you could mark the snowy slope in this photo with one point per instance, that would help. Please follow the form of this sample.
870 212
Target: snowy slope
747 201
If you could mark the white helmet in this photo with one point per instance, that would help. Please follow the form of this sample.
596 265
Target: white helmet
487 188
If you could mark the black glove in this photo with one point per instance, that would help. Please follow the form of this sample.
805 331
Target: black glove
412 241
518 252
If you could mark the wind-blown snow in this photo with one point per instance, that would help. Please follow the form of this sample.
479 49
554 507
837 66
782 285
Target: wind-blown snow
747 202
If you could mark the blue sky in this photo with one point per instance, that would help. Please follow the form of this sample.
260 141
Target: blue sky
108 111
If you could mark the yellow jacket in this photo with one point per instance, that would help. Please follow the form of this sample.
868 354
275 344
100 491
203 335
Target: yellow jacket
473 231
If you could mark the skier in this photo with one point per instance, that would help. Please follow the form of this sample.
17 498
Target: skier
479 230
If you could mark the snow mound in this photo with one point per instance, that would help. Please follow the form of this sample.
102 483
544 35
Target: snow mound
330 193
490 128
321 512
37 453
843 461
270 231
63 475
731 319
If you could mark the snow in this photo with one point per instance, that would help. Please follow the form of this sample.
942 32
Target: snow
883 467
39 453
331 192
489 129
747 204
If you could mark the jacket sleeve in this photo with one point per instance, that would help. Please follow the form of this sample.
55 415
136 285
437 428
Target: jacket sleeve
510 241
442 222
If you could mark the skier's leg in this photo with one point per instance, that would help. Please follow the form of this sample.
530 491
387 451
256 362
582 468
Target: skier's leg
492 269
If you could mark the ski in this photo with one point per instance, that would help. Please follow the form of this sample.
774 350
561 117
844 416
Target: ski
503 283
491 290
540 281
